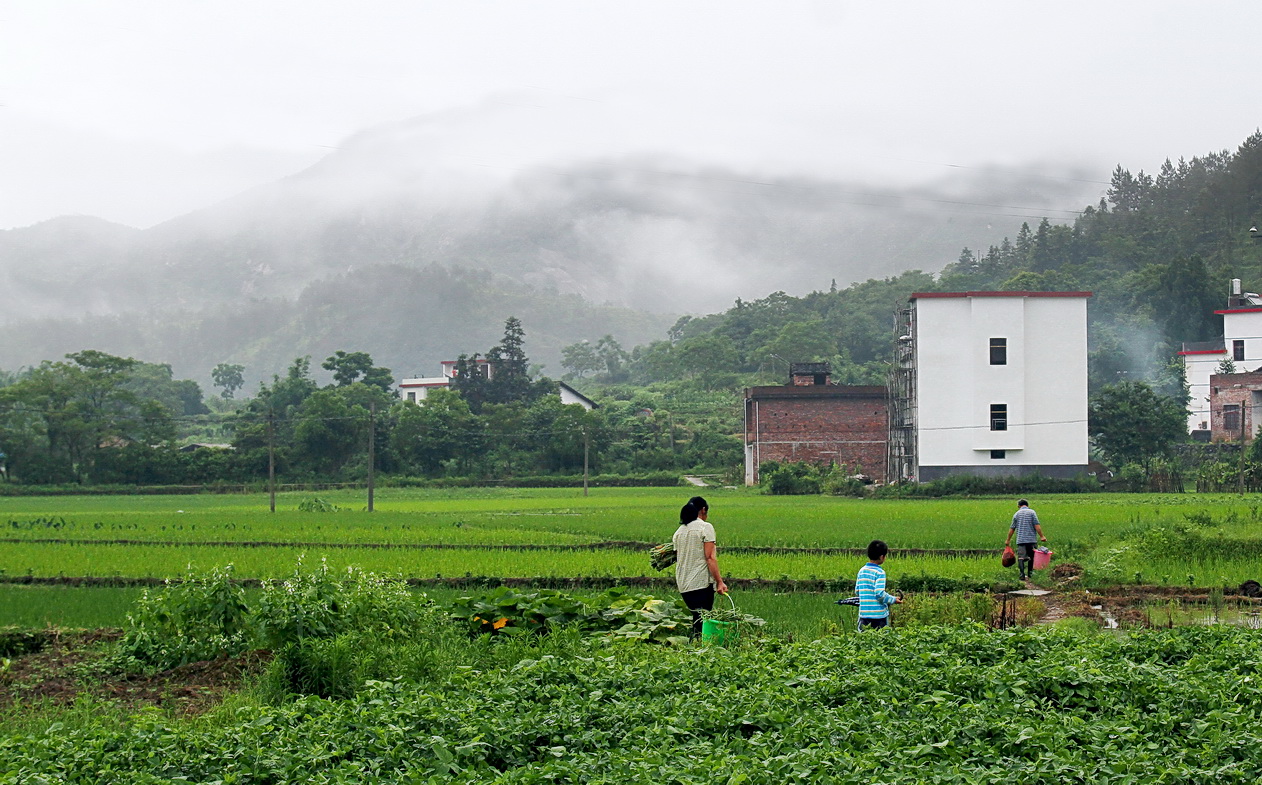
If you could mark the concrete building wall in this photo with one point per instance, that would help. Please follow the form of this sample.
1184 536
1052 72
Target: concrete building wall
1042 384
1198 367
820 424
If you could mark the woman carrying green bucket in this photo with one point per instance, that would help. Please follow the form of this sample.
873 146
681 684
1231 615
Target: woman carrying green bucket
696 566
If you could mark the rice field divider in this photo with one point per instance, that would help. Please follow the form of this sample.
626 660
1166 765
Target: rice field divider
467 582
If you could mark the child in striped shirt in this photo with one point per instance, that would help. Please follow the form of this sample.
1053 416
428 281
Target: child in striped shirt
874 601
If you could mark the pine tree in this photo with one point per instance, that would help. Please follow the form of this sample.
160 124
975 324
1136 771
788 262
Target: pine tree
510 376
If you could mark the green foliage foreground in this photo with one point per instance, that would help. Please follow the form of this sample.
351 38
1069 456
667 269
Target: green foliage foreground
956 704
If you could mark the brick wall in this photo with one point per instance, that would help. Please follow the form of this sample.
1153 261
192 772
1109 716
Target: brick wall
846 426
1234 389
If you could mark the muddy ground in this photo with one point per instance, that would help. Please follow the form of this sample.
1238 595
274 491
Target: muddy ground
58 666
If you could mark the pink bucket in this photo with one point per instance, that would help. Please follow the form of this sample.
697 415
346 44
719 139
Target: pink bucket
1042 558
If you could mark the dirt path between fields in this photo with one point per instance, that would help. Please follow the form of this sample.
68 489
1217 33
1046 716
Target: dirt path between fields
1054 607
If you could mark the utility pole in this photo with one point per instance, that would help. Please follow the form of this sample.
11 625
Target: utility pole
1242 450
586 450
271 459
372 448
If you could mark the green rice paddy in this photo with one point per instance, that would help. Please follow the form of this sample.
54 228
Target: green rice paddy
559 533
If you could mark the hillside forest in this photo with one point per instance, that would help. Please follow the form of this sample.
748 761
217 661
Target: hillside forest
1157 253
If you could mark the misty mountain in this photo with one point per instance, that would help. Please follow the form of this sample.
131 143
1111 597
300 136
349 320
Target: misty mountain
640 233
407 319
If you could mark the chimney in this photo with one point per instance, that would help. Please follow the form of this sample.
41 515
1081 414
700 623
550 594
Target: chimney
1237 298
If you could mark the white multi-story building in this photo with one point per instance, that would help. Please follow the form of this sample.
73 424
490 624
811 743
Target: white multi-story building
992 384
416 390
1241 343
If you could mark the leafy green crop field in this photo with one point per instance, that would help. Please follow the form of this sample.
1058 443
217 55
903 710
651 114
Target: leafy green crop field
933 705
812 701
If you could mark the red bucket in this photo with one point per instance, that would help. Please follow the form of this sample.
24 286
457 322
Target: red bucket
1042 558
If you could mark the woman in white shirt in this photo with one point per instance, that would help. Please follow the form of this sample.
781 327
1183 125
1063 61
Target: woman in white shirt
696 565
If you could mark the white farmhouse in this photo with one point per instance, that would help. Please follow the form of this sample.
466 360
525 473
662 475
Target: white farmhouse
1241 343
417 389
990 384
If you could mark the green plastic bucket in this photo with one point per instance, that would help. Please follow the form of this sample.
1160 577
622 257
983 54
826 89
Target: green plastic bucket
719 633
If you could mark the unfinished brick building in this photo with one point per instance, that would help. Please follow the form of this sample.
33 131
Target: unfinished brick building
1233 401
811 420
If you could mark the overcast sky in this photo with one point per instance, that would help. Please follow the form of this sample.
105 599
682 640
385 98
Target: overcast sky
141 110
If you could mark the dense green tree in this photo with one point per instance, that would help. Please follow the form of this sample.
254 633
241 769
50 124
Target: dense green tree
350 367
228 377
329 428
613 357
470 379
440 429
581 359
59 418
510 368
1186 299
180 397
287 393
347 366
1131 423
380 378
808 340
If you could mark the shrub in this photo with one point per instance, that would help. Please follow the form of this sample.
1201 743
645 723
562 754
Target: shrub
786 479
333 633
315 604
202 617
838 483
316 504
973 485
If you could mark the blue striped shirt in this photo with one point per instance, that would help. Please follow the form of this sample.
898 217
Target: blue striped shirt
874 602
1024 521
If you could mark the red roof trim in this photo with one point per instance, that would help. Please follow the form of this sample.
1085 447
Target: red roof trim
1240 310
932 295
1205 351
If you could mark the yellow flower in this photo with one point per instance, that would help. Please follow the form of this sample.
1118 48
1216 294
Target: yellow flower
500 623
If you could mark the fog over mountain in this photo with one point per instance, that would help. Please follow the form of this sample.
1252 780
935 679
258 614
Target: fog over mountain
637 233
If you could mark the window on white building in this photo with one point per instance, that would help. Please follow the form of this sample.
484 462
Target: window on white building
1237 350
998 455
999 417
998 351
